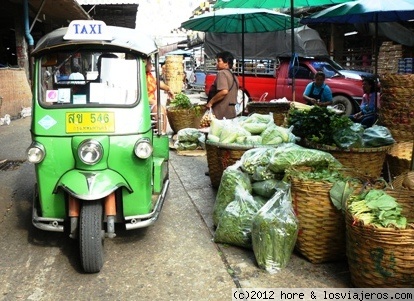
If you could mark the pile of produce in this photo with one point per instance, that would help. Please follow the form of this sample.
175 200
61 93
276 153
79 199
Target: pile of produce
376 207
324 126
256 129
252 192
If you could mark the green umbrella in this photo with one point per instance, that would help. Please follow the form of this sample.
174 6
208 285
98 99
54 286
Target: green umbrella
271 4
274 4
241 20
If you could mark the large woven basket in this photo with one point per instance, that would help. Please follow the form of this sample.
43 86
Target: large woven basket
279 110
367 161
382 257
321 235
220 156
183 118
399 158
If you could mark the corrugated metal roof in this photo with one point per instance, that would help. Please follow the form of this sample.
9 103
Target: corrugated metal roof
116 13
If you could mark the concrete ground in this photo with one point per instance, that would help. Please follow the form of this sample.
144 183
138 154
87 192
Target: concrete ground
190 200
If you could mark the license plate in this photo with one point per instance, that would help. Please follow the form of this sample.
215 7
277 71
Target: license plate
90 122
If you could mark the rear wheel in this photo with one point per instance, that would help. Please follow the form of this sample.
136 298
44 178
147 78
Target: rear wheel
91 236
343 103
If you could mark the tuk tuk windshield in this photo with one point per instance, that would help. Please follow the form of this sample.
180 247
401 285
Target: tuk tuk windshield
89 78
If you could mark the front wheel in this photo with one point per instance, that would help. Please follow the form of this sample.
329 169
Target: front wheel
343 103
91 236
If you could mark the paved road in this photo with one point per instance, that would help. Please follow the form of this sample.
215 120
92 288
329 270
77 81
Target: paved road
176 259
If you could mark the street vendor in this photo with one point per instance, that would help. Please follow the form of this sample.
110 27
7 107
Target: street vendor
367 115
317 92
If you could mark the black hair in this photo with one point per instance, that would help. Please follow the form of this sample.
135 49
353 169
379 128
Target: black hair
226 57
320 73
371 82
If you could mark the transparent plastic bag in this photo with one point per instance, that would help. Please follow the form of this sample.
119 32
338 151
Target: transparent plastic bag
235 224
274 231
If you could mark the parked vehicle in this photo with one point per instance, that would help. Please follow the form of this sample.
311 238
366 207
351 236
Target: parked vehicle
276 79
98 158
197 80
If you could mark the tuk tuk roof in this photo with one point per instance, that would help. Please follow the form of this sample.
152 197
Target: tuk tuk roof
122 38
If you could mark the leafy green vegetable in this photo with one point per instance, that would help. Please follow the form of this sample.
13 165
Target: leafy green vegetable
266 188
181 101
274 232
289 154
317 124
378 208
235 224
231 179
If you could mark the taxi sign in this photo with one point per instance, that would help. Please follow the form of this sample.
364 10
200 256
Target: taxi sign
88 30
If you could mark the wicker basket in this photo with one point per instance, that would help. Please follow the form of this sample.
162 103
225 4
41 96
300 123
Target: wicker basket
399 158
220 156
183 118
279 110
363 161
397 104
321 235
382 257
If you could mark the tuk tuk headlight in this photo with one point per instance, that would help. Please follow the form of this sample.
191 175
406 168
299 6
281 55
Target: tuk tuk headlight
35 153
143 149
90 151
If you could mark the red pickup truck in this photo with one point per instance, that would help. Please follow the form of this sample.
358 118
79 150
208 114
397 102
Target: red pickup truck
275 78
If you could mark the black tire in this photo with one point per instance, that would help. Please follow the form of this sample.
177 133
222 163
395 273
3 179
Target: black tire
91 236
343 103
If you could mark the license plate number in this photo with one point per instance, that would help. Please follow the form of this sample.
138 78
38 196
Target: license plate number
90 122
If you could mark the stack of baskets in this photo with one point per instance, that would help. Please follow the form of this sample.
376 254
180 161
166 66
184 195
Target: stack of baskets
362 161
399 158
321 236
279 110
397 105
383 257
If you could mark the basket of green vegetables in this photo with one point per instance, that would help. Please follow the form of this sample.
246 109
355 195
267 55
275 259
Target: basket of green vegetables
380 238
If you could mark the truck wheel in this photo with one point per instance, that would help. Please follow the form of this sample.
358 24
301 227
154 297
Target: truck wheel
343 103
91 235
239 105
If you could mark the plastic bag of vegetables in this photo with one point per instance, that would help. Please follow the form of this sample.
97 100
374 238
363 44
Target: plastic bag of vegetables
235 224
290 154
376 136
232 177
188 135
275 134
349 137
274 231
185 145
257 123
256 161
266 188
